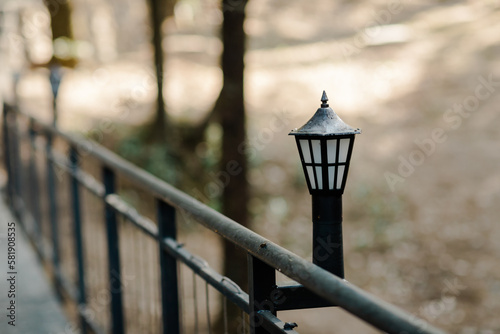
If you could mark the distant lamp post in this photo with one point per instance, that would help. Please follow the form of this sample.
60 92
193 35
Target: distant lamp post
55 81
325 145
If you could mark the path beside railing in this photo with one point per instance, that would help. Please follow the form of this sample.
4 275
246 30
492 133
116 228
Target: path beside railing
37 308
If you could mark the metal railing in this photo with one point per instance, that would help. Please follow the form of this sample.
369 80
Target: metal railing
263 299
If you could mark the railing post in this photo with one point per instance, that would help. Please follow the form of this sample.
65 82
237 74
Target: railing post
261 282
75 202
34 192
51 187
168 269
115 284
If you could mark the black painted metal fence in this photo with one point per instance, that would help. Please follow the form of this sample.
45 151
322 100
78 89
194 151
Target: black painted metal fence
30 143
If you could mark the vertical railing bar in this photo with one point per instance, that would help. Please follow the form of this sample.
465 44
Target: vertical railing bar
207 300
151 298
195 307
31 228
225 314
77 221
101 235
243 321
6 152
154 288
182 303
168 266
147 283
18 199
158 309
142 272
115 283
145 288
137 266
52 198
34 193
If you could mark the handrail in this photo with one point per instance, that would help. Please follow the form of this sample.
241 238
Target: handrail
340 292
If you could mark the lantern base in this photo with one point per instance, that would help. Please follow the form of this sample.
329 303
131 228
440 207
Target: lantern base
327 233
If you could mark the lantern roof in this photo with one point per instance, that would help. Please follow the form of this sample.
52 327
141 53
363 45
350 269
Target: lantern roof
325 122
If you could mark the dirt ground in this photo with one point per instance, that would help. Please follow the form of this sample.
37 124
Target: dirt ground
421 80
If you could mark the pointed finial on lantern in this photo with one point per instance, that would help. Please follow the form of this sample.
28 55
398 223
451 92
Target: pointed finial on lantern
325 122
324 99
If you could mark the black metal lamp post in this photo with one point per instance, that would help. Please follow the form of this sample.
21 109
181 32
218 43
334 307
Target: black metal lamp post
325 145
55 81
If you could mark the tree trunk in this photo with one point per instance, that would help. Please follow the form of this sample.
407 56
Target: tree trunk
231 113
159 121
60 25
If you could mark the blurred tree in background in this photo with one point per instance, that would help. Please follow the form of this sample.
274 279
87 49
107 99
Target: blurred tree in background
159 10
228 112
230 108
62 32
